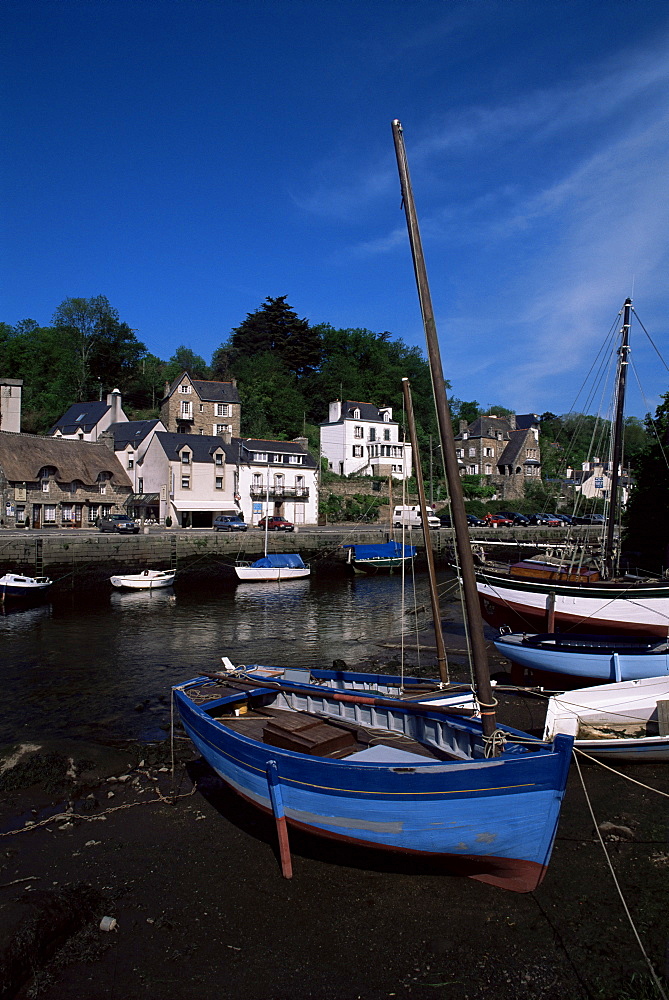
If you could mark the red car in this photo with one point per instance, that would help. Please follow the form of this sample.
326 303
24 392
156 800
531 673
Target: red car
498 520
276 524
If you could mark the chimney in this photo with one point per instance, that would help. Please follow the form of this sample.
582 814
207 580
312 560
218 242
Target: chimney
107 439
114 400
303 442
10 404
167 389
335 411
227 437
462 426
512 421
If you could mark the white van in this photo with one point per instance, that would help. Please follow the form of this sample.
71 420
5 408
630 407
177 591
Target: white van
410 517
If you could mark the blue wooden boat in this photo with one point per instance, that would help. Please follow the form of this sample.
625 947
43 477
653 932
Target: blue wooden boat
599 657
377 557
427 788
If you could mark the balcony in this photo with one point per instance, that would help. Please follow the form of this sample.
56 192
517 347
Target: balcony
280 492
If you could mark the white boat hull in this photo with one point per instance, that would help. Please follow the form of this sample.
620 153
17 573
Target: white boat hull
151 579
613 721
264 573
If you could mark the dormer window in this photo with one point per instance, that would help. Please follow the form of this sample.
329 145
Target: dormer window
185 458
386 417
218 459
465 435
184 387
356 414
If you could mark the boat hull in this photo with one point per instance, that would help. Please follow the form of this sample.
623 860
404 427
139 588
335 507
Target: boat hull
493 820
151 580
23 587
260 574
612 664
592 608
617 711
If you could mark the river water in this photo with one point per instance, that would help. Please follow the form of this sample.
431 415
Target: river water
100 666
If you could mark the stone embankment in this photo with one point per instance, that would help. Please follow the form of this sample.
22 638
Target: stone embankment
88 557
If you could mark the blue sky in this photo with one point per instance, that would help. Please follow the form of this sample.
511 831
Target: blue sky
188 159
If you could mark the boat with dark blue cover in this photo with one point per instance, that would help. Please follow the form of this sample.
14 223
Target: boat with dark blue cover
379 556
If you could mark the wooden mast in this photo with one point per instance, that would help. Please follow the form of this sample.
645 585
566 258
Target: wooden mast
617 456
442 662
471 600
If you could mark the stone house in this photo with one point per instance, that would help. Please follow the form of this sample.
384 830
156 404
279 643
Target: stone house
50 481
362 439
87 421
503 451
193 406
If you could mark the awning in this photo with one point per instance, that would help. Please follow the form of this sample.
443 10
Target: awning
212 505
142 500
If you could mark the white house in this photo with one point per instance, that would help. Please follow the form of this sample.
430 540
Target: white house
193 477
277 478
86 421
363 439
594 480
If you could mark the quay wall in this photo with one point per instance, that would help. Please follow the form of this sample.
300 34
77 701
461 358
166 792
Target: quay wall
89 558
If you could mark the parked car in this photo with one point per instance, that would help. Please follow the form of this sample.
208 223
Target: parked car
498 520
549 520
565 518
475 522
514 516
276 524
445 520
588 519
118 522
229 522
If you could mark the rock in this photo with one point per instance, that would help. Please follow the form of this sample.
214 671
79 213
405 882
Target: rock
611 831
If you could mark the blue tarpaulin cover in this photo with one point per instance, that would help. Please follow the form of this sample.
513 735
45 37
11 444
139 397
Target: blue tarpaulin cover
283 560
386 550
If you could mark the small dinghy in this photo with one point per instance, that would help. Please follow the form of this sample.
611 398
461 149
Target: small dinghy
149 579
280 566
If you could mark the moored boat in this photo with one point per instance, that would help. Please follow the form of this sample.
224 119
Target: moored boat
599 657
623 721
377 557
277 566
13 585
148 579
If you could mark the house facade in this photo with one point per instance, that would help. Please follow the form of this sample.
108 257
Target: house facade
502 450
593 480
278 478
193 406
362 439
61 483
87 421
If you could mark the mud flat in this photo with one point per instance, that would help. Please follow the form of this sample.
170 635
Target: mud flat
189 877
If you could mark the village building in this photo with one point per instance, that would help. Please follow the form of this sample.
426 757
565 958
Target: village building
361 439
87 421
502 450
10 404
593 480
278 478
46 481
193 406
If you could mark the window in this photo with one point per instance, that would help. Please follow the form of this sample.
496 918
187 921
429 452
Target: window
103 488
201 407
93 512
185 458
50 513
184 387
140 485
66 513
386 417
131 462
185 408
386 434
357 451
260 456
372 434
185 482
257 481
488 452
472 452
356 414
465 435
473 470
295 459
219 482
299 484
218 459
358 432
279 483
106 509
220 429
45 486
222 409
488 470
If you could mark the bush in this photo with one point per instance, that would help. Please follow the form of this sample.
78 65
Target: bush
168 521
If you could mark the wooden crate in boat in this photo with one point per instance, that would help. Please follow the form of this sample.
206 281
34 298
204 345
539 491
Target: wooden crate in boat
306 735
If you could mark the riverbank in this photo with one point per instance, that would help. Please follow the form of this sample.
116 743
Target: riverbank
190 875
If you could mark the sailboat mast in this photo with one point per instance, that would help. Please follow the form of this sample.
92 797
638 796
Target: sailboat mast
617 456
442 663
461 529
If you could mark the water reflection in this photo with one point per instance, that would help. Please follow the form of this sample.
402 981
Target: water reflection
101 666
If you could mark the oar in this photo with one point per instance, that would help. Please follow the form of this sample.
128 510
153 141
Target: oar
353 699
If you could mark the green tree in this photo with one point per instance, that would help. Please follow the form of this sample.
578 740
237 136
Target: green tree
646 519
84 320
276 329
185 360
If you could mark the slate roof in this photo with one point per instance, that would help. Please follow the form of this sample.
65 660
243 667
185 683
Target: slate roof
22 456
483 426
131 432
368 411
512 452
80 417
201 446
212 392
250 445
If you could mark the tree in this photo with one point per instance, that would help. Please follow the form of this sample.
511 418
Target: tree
185 360
85 320
275 328
646 519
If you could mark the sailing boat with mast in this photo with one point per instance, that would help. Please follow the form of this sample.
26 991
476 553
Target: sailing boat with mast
276 565
481 799
533 595
376 557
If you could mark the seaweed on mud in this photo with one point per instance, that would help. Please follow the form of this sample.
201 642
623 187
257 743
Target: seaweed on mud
50 770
